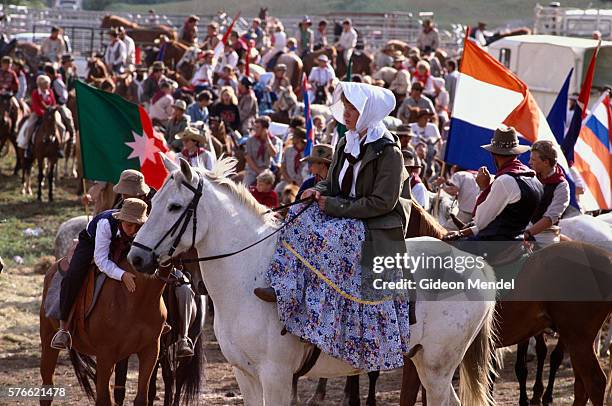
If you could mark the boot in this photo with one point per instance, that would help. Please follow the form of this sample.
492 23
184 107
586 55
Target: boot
62 340
266 294
184 348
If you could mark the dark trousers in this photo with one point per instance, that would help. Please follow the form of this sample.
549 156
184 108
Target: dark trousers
77 271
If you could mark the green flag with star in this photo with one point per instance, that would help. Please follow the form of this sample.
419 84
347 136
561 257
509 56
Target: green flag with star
115 135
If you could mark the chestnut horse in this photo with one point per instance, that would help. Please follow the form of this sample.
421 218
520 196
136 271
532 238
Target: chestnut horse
120 324
362 64
295 67
520 320
10 117
140 34
47 141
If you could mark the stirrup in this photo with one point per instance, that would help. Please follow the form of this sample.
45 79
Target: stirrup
68 346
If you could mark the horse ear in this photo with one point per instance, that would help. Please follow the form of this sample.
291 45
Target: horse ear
186 169
170 165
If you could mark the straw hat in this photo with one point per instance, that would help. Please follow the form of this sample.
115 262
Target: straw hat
132 183
321 153
132 211
505 142
191 133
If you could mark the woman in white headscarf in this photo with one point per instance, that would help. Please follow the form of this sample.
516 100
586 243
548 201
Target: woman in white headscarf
358 202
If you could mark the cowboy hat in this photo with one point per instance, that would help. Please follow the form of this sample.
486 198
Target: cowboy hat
133 211
404 129
280 66
158 66
399 58
191 133
131 182
321 153
410 160
323 58
505 142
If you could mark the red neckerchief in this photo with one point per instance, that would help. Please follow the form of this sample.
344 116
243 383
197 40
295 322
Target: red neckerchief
557 177
423 79
515 167
189 155
415 180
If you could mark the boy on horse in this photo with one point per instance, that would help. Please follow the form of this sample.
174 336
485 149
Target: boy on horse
107 228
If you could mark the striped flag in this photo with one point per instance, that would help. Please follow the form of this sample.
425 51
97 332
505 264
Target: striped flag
593 156
307 117
218 51
488 94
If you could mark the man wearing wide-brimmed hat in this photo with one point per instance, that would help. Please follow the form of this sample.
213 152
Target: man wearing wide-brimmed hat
188 33
94 243
405 135
132 185
150 86
321 78
506 204
115 56
401 81
318 165
177 123
194 151
305 37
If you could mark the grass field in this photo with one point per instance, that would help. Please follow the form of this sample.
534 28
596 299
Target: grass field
496 13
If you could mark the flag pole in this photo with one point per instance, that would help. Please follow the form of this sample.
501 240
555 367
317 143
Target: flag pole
436 207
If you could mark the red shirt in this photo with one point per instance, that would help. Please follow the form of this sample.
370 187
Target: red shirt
269 199
37 101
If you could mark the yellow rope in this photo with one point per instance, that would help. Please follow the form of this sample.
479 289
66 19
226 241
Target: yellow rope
330 283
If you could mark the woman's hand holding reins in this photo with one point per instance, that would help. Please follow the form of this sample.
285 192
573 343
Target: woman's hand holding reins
316 195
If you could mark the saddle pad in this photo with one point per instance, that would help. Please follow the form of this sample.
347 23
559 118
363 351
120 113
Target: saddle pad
52 301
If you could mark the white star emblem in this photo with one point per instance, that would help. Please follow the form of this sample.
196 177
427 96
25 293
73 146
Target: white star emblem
143 148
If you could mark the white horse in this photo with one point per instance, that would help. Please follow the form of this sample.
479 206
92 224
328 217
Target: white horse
66 234
587 228
248 329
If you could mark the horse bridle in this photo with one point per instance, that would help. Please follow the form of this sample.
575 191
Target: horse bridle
190 213
181 223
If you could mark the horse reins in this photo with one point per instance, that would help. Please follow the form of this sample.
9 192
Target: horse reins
190 213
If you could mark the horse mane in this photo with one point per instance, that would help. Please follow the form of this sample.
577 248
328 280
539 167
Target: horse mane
220 175
428 226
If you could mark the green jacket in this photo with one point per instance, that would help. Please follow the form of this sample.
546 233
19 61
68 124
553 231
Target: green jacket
378 188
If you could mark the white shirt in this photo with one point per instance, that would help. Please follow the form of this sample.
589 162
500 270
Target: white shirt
230 59
428 134
130 49
102 250
420 194
468 190
116 53
504 191
205 160
162 108
348 39
204 75
480 37
280 41
322 76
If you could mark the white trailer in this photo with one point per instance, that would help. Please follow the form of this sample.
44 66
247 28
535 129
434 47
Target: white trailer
543 62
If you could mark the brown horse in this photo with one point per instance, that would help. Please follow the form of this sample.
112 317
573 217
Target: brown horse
71 149
97 72
310 60
47 140
10 117
362 64
173 53
295 67
126 87
120 324
141 35
520 320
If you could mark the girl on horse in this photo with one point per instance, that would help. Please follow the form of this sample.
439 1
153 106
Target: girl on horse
193 149
42 99
104 230
358 202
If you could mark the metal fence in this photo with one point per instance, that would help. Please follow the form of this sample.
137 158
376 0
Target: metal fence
83 27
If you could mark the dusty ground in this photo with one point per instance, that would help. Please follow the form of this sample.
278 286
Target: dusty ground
20 294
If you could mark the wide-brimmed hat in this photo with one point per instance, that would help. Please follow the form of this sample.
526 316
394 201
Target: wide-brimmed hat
193 17
306 20
180 104
323 58
132 183
424 112
321 153
410 160
299 133
505 142
399 58
191 133
67 58
280 66
404 130
132 211
247 81
157 66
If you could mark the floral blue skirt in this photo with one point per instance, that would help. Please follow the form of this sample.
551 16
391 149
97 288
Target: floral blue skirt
325 309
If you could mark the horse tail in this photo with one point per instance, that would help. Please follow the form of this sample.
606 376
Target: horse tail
477 368
85 371
193 369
